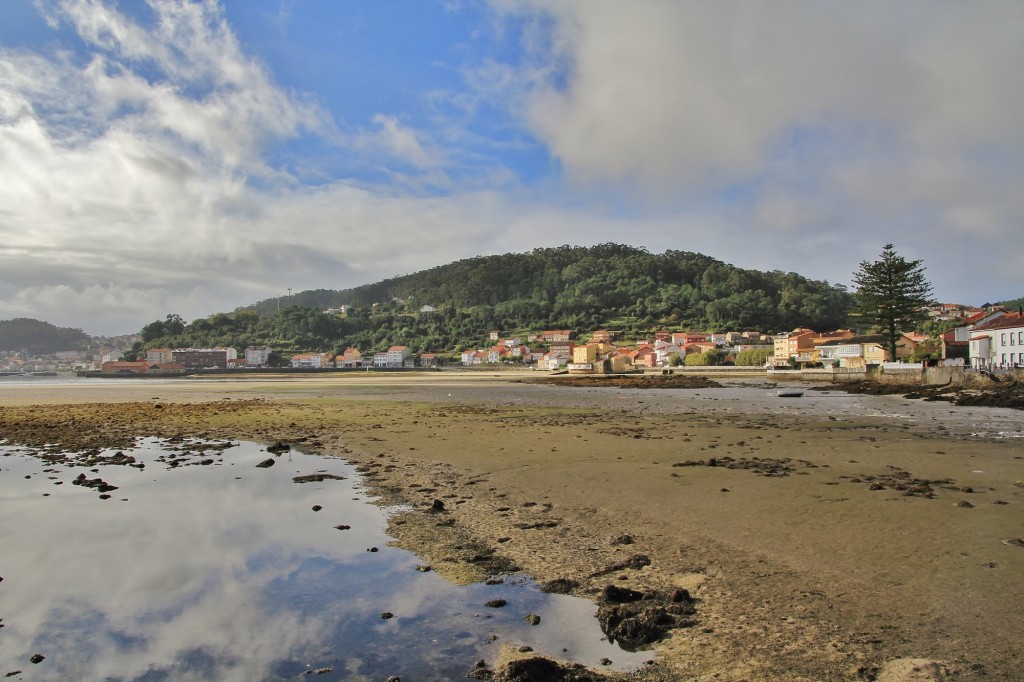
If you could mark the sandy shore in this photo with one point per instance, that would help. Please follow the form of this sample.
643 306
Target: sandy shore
839 537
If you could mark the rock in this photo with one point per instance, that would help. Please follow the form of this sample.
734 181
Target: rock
37 658
622 540
532 619
387 615
964 504
317 507
267 463
634 619
559 586
342 527
437 506
279 447
620 595
496 603
542 669
371 549
315 478
681 596
423 568
636 562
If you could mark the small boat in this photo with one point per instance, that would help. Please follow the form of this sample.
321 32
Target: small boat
790 394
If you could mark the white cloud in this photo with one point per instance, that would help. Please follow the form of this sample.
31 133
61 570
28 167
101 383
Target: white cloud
140 177
852 123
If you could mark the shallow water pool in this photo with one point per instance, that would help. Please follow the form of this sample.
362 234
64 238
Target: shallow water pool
214 568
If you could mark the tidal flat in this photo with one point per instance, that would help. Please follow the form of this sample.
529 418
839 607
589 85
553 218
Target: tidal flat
835 536
187 559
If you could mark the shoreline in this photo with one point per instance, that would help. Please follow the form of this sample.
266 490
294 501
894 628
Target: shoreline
799 569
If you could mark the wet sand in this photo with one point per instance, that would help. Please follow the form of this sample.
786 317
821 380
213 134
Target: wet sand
845 537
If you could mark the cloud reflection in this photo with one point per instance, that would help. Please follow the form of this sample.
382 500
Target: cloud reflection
225 572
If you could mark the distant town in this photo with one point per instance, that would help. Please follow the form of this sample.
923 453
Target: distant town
990 339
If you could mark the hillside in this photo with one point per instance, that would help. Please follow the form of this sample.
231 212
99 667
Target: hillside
610 284
35 336
622 288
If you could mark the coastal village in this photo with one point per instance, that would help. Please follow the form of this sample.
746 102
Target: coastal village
988 339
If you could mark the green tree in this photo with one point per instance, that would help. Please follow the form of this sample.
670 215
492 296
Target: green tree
755 357
891 294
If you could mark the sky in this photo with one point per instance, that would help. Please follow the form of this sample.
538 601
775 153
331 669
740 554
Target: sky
163 156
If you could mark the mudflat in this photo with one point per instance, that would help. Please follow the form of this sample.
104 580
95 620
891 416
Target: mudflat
832 536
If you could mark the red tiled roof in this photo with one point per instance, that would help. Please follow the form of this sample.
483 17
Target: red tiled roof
1007 320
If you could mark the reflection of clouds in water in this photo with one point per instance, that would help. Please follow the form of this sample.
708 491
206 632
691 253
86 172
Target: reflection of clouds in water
179 568
204 576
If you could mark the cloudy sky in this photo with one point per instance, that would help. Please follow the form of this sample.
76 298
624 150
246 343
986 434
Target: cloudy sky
164 156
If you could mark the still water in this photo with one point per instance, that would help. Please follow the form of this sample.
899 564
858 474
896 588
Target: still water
223 571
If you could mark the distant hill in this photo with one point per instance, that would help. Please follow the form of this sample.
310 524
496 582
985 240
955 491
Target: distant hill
1013 304
452 307
35 336
608 284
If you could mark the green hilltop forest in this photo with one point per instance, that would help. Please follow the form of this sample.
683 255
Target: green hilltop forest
37 337
618 287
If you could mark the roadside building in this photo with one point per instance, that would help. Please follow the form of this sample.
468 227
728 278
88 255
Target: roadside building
200 358
159 355
397 355
257 356
311 360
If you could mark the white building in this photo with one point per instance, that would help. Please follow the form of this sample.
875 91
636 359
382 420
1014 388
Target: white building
257 356
998 344
159 356
397 355
311 360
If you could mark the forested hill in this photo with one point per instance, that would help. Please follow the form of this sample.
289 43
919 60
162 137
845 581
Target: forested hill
605 285
35 336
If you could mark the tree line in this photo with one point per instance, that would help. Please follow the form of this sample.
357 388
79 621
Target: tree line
619 287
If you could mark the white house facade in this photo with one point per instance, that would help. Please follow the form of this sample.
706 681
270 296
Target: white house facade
998 344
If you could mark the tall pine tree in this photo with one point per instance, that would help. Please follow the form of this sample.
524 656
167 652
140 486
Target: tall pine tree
891 294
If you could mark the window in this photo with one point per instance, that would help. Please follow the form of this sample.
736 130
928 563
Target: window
1002 339
1020 338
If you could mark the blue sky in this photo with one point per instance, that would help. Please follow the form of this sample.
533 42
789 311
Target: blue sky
192 157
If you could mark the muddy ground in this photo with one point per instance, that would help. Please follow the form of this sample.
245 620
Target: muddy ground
847 543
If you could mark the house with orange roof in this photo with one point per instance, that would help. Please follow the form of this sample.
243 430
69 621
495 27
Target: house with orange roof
855 352
794 344
397 355
643 356
312 360
351 357
551 336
